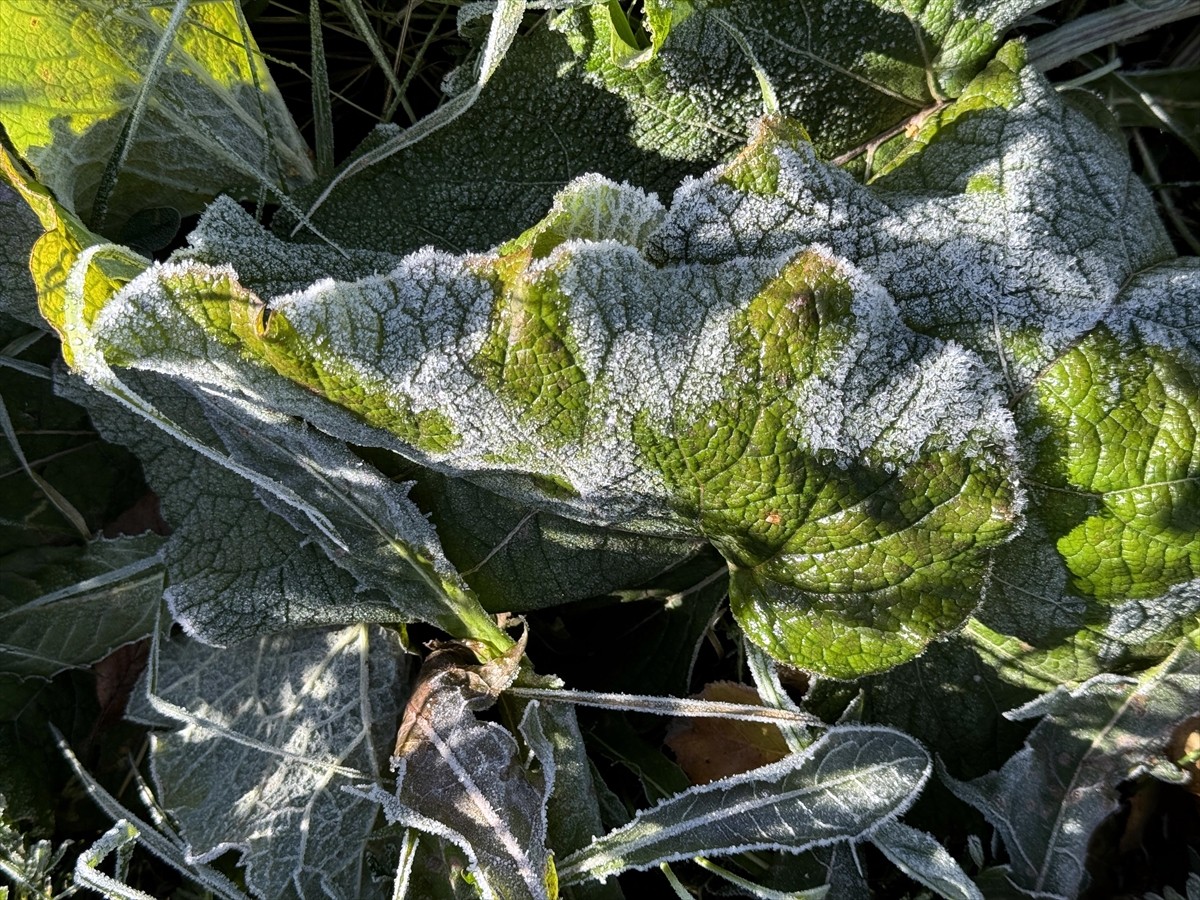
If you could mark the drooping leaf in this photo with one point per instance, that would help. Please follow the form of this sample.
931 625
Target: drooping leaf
68 607
462 779
236 570
847 783
400 556
538 378
269 732
88 83
62 240
1049 798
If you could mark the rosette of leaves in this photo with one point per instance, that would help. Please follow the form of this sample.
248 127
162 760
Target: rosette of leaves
951 395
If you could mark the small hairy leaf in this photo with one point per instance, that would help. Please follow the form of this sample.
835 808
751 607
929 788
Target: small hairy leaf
842 787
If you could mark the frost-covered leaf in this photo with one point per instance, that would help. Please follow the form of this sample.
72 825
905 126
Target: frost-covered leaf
573 816
271 730
1108 569
826 436
1050 797
1010 224
236 570
18 231
694 86
463 780
176 111
64 607
841 788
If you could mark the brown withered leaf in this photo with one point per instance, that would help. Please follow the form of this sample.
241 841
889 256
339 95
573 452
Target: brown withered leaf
453 667
708 749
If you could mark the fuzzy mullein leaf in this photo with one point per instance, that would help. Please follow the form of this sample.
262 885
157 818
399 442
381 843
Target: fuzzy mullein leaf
851 471
1048 799
87 84
268 733
462 779
514 558
1108 570
842 787
65 607
1010 225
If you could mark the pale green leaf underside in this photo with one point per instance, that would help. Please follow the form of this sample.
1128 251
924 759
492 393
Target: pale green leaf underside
213 121
269 733
842 787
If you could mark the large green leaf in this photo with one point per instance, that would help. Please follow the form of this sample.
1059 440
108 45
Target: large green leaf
1107 573
175 104
752 406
